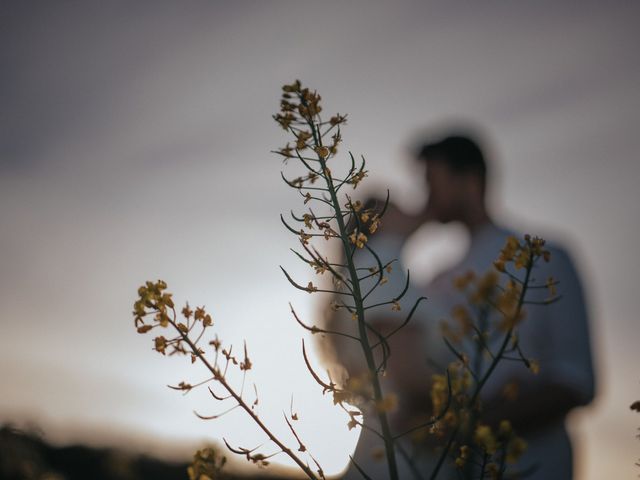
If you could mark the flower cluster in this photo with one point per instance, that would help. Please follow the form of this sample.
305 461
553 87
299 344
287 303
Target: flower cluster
480 334
449 397
206 465
155 308
155 305
300 114
521 253
508 447
495 447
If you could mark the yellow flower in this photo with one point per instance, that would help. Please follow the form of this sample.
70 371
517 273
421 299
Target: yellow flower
485 439
319 268
507 301
337 119
160 344
510 248
144 328
206 465
439 392
187 312
358 239
374 225
464 451
536 245
304 237
286 152
200 313
505 428
357 178
461 460
292 88
485 287
322 152
522 259
285 119
301 139
307 220
515 449
185 386
246 363
162 318
215 343
138 309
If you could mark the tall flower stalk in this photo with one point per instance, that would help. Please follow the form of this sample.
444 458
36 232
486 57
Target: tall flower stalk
301 115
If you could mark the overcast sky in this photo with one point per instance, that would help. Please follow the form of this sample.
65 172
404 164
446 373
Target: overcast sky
134 145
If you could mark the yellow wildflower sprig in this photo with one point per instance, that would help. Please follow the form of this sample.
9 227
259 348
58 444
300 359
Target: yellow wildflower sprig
498 448
206 464
155 308
300 115
486 293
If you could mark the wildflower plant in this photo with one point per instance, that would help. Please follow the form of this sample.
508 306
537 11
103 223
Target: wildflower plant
486 328
331 215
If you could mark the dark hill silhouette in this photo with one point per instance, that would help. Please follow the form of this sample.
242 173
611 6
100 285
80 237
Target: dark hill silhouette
27 456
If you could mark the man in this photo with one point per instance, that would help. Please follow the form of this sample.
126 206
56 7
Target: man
555 335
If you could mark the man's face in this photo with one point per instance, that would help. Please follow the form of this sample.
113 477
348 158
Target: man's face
447 192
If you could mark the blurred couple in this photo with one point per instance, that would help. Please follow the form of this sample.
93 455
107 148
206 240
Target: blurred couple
556 335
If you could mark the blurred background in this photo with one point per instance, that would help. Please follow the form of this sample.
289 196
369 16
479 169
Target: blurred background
134 145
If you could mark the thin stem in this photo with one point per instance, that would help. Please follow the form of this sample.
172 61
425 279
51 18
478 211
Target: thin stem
216 373
362 330
507 337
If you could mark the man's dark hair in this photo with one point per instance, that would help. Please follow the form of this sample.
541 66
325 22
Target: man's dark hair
458 152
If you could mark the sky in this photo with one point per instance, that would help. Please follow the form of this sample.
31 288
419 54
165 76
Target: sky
134 145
